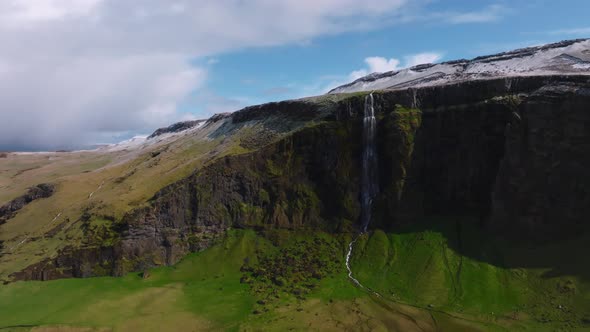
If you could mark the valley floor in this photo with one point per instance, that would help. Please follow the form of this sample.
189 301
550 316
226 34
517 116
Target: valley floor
280 282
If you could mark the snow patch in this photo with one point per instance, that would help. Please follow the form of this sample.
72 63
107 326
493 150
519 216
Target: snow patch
564 58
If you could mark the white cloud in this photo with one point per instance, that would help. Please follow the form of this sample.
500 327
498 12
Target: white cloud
177 8
421 58
379 64
19 12
91 68
46 103
354 75
375 64
75 70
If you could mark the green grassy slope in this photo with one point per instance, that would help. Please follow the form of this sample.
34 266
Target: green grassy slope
493 281
424 285
203 290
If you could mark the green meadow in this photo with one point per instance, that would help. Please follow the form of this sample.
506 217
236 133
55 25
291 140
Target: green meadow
415 281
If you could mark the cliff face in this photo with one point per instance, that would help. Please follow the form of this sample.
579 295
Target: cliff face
510 152
543 186
516 158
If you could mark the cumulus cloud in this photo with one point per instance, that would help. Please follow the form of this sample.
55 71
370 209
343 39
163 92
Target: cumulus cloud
379 64
72 101
376 64
75 72
421 58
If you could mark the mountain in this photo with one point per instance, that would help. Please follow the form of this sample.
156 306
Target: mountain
570 57
177 127
250 220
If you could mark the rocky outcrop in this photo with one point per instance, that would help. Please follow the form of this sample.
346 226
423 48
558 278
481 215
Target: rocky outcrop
511 153
176 128
9 210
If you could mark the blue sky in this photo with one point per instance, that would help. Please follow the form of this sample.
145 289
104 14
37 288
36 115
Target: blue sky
260 75
80 72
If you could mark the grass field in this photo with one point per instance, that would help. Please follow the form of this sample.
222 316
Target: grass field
415 274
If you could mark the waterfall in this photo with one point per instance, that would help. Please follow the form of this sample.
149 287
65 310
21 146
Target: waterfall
350 276
369 185
369 167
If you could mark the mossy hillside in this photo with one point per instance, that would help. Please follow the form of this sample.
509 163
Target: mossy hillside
111 183
113 188
204 291
294 269
100 231
210 290
424 268
204 288
19 172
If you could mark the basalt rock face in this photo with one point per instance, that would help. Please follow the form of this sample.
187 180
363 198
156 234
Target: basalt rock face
543 184
78 263
442 158
305 181
510 152
297 182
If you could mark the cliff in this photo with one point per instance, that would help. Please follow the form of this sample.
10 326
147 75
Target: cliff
509 153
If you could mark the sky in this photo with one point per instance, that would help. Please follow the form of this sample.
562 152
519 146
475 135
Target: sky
75 73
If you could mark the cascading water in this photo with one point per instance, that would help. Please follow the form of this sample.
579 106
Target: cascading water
369 166
350 276
369 170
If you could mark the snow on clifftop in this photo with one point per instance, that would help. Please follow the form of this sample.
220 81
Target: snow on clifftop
564 58
161 135
131 143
